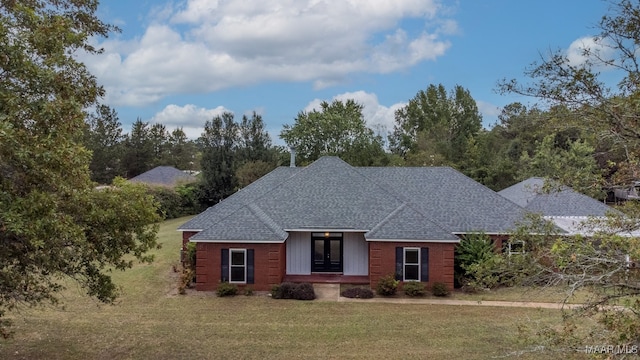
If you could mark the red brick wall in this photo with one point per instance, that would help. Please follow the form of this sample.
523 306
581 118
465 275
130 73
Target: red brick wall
382 261
185 238
499 241
269 264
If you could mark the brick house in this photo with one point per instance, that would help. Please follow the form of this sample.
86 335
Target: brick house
332 222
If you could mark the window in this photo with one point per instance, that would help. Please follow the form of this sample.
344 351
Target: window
516 247
238 265
411 264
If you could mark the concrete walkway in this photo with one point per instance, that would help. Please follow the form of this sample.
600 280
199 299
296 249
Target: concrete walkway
331 292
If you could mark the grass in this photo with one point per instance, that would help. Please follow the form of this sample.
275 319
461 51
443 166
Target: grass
150 321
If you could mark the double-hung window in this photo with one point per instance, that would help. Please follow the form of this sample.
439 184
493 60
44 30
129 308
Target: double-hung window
238 265
411 264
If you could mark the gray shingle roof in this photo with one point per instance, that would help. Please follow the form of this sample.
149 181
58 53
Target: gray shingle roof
387 203
556 202
164 176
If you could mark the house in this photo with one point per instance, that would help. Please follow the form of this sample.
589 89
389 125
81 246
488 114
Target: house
567 209
164 176
330 221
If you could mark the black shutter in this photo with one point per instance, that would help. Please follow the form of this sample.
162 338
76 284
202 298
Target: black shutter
224 268
424 264
399 262
250 266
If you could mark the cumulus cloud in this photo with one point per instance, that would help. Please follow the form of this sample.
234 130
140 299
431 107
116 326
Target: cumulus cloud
203 45
189 117
588 50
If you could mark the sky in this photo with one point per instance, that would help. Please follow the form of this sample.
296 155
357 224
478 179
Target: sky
182 62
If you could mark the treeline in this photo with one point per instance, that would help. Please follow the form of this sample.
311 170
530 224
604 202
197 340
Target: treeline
229 155
436 128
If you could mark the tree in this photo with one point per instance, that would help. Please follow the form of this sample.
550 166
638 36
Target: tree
574 166
599 264
436 124
138 149
336 129
104 138
53 224
218 144
181 151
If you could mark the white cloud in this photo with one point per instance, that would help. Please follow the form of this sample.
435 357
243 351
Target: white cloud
190 118
489 112
588 50
206 45
378 117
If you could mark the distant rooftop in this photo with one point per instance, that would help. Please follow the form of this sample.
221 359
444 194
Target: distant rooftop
164 176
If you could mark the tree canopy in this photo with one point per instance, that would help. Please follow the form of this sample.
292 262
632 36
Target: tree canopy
336 129
53 223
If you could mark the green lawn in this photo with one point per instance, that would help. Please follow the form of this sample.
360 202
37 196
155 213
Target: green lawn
151 321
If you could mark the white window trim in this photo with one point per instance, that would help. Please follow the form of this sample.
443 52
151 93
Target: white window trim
231 266
521 243
404 263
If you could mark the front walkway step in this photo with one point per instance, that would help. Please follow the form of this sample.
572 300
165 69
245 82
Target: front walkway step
327 292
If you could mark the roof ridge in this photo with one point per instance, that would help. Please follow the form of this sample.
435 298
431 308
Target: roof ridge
387 218
267 220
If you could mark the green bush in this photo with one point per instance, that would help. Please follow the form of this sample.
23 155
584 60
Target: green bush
439 289
227 289
248 291
304 291
414 288
387 285
473 249
357 293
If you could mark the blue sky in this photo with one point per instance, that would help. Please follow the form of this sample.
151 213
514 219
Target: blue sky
182 62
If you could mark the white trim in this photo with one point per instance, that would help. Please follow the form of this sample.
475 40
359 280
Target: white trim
239 242
325 230
404 263
182 230
416 241
481 232
244 265
522 245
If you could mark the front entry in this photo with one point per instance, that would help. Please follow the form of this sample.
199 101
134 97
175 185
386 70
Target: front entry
326 252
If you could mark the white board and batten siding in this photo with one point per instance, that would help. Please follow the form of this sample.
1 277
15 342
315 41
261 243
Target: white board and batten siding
355 258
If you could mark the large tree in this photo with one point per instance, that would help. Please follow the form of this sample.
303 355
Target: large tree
601 264
218 144
435 124
53 224
104 138
336 129
139 149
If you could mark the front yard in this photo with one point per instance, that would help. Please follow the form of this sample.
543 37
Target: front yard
151 321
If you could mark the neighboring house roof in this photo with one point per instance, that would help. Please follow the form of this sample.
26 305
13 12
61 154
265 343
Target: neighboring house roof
164 176
569 210
384 203
556 202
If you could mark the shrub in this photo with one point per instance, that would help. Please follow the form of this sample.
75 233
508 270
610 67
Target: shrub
287 290
473 249
304 291
226 289
414 288
275 291
439 289
186 278
248 291
387 285
357 293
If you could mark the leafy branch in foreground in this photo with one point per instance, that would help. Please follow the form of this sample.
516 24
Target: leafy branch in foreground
53 224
